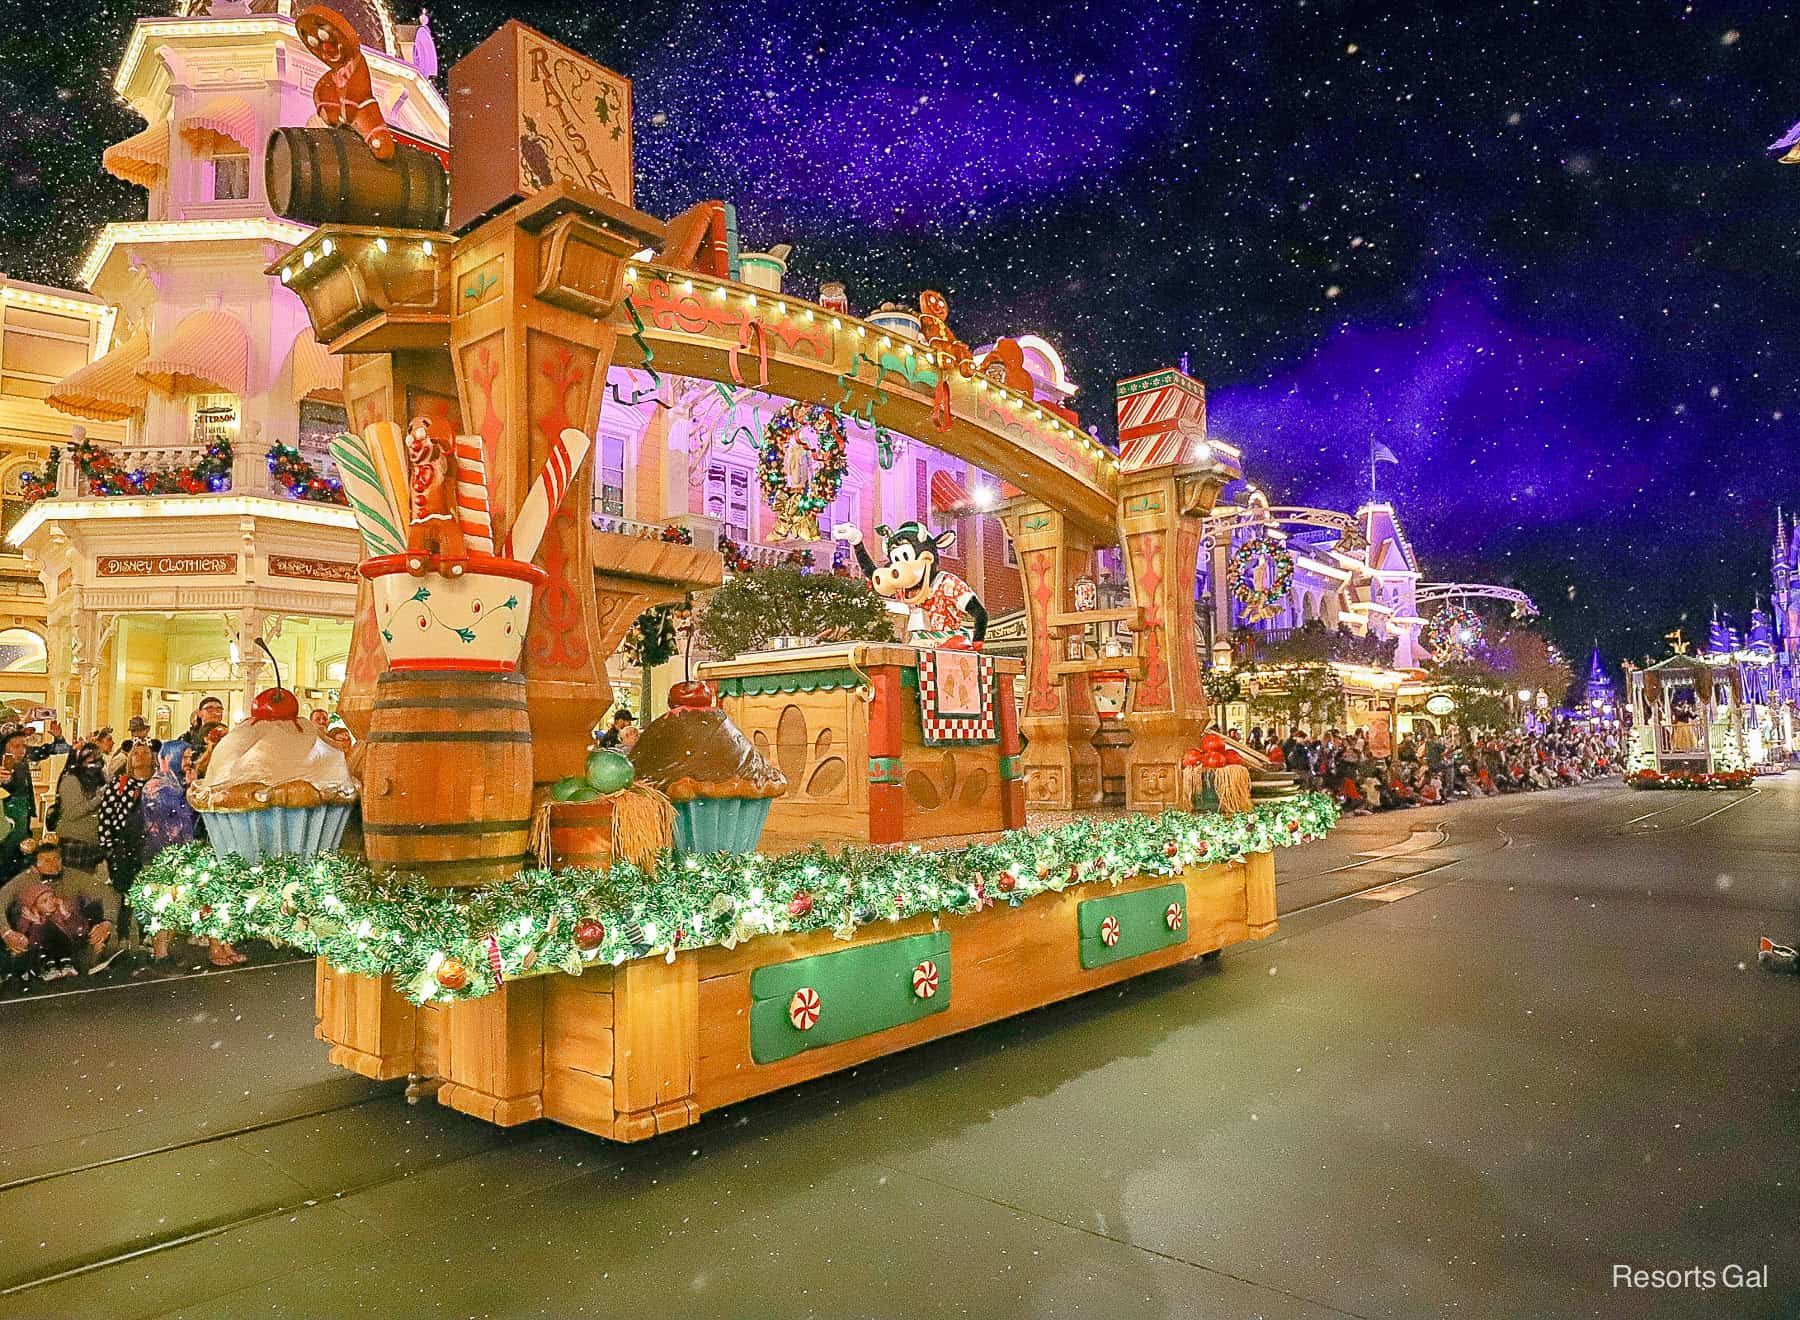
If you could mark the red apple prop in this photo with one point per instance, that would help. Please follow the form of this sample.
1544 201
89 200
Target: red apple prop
1191 757
1212 742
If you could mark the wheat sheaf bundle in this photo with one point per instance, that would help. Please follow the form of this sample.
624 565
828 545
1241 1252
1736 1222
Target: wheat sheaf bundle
643 825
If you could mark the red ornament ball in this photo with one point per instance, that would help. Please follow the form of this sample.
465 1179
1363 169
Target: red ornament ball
1170 848
452 975
1007 881
588 934
800 904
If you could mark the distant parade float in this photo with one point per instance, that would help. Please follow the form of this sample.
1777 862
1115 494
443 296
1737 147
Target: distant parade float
821 853
1709 720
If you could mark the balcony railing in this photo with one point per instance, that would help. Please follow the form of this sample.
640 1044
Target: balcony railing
87 471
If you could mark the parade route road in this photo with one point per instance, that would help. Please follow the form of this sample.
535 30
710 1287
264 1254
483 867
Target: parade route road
1510 1058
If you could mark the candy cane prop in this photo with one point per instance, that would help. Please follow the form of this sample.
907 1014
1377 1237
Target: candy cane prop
567 452
377 516
473 507
387 449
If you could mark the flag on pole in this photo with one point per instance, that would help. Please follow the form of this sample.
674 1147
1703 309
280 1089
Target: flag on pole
1380 453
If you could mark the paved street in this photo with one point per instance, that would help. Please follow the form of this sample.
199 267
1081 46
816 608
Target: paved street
1541 1051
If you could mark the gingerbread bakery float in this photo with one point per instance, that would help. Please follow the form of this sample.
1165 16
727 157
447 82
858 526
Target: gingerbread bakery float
535 932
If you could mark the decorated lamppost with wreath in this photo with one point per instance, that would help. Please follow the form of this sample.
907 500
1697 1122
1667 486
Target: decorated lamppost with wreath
1262 570
805 453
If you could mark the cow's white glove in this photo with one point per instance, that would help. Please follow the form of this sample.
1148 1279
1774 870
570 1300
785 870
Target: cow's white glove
848 533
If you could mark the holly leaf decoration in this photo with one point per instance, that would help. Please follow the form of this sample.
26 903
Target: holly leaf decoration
422 594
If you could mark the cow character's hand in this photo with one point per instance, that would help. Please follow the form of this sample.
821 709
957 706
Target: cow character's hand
848 533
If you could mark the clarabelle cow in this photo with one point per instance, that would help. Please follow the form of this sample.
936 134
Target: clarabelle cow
942 609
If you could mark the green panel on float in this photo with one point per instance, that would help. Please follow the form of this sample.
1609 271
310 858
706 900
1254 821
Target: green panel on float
1143 924
861 990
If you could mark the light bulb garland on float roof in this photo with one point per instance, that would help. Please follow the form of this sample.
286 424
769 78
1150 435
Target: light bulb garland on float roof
334 906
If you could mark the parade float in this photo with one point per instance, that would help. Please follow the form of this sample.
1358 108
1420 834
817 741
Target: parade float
1687 723
820 854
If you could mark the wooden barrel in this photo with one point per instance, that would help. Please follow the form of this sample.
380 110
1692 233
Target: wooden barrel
581 834
328 176
447 776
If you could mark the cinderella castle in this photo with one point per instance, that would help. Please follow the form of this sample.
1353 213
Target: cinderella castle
1784 606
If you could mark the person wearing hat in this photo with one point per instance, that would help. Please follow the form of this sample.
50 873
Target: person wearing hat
137 731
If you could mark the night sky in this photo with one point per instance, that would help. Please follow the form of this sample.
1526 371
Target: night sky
1537 249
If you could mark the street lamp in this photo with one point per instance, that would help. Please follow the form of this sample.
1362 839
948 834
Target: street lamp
1524 694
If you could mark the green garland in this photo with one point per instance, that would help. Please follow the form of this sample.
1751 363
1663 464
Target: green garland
334 906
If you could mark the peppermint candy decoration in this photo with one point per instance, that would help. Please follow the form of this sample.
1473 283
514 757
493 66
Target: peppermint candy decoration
1109 932
925 979
803 1008
1173 916
492 946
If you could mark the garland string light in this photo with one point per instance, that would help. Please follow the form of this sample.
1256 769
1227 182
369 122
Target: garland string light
336 907
210 472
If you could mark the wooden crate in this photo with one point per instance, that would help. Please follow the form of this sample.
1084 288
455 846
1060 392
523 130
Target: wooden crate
649 1046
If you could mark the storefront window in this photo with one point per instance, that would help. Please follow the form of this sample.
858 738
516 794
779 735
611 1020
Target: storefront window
22 652
609 476
230 178
728 499
320 421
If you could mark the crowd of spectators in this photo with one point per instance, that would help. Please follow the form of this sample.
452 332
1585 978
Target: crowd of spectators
1431 769
113 805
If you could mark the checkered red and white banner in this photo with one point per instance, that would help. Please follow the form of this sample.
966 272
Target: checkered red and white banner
956 698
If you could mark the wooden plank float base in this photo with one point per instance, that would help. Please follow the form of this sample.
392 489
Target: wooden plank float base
647 1047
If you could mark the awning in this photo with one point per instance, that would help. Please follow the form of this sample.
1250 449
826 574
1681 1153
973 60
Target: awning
209 353
106 389
317 374
948 495
225 125
141 159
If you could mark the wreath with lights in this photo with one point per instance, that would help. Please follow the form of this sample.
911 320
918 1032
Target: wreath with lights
797 507
1262 570
1455 632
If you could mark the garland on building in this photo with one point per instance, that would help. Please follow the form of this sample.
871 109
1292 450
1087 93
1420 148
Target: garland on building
1223 686
797 497
102 475
1455 633
335 907
676 534
34 486
1259 595
301 480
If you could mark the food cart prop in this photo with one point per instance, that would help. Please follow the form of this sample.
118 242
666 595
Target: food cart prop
881 742
1687 725
629 997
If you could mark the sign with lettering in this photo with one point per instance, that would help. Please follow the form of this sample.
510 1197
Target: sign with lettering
313 570
108 566
527 112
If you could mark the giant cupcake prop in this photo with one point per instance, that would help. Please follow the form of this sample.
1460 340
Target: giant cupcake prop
720 784
273 785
